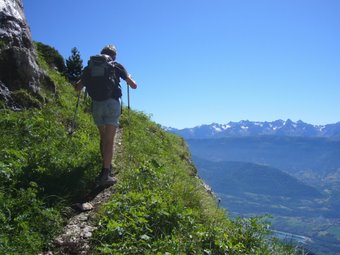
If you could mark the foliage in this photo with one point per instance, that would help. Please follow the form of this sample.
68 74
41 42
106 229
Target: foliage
51 56
74 66
3 44
26 224
160 207
43 168
2 104
25 98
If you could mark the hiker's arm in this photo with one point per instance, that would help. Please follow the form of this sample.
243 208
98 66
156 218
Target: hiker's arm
79 85
131 82
125 76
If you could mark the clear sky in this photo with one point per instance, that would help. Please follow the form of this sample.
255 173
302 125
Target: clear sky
203 61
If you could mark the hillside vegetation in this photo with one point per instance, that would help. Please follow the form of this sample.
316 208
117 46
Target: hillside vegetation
159 207
42 167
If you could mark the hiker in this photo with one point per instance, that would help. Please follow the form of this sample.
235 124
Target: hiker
106 108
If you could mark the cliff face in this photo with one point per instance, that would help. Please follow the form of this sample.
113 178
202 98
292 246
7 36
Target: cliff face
18 65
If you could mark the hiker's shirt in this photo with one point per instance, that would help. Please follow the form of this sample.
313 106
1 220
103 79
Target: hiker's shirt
120 71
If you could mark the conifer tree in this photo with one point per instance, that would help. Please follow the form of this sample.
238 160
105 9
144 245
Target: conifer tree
74 66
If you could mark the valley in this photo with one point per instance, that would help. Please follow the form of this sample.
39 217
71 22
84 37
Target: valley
247 190
291 175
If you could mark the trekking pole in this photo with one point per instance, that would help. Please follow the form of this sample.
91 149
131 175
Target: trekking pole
129 120
71 131
128 94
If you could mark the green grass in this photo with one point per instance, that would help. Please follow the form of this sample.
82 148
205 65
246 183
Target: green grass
161 207
43 168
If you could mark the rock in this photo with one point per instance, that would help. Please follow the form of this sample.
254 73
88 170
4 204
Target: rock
13 27
18 64
5 93
83 207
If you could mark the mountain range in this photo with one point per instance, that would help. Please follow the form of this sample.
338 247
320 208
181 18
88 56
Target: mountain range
294 155
255 128
287 169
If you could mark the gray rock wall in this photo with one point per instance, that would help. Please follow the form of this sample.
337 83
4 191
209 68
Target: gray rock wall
18 65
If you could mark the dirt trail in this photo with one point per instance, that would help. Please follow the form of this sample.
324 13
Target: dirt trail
78 232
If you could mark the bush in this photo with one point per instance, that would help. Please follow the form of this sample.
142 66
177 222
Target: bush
25 99
51 56
3 44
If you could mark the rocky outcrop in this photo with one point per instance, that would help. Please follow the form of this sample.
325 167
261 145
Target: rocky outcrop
6 97
18 65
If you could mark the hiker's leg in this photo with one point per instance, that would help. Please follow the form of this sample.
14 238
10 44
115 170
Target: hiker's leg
112 114
101 148
107 134
108 139
101 142
105 115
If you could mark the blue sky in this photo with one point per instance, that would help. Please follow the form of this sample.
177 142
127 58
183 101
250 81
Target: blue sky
203 61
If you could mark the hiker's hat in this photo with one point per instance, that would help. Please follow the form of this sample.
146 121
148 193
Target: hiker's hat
109 50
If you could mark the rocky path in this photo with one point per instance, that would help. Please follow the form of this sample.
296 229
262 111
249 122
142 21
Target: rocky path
78 232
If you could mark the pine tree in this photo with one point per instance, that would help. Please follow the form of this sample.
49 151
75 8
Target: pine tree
74 66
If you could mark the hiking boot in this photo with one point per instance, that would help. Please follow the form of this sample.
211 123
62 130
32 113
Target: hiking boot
99 177
105 178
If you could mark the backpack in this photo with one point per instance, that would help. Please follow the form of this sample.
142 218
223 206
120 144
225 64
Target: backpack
99 78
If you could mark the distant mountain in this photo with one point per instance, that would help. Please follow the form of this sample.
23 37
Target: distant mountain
254 128
246 188
291 154
238 178
287 169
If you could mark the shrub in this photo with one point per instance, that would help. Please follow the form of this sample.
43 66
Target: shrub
3 44
25 99
51 56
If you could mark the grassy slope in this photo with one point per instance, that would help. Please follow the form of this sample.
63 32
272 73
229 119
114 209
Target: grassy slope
160 206
42 168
